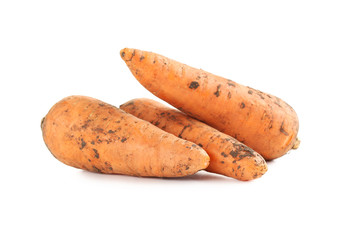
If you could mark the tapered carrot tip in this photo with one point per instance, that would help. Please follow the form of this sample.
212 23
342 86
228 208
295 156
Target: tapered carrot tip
205 162
127 53
296 144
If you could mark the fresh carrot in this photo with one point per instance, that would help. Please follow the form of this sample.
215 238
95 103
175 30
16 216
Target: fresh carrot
89 134
261 121
228 156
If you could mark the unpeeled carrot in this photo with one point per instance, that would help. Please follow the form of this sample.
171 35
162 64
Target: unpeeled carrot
228 156
260 120
89 134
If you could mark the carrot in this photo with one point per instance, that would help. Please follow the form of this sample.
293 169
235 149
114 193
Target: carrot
261 121
86 133
228 156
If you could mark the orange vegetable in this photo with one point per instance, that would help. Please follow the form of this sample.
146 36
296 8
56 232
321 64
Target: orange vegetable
261 121
86 133
227 155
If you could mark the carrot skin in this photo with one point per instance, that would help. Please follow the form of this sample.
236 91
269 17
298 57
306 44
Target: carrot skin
228 156
89 134
262 121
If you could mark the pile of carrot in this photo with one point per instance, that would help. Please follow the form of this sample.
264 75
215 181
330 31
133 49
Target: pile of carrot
217 125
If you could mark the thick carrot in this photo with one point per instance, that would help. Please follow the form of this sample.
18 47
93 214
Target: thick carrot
228 156
261 121
89 134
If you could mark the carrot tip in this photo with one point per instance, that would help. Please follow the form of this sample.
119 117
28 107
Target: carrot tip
42 122
127 54
122 53
296 144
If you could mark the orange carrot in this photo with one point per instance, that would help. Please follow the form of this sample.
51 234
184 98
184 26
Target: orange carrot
89 134
261 121
227 155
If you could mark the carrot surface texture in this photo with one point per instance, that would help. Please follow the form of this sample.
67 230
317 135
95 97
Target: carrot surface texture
228 156
260 120
89 134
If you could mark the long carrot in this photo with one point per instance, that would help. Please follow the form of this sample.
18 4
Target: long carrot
89 134
227 155
261 121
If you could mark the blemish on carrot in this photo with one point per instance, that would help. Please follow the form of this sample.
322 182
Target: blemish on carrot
217 93
278 104
182 131
234 153
96 153
282 130
224 154
83 144
231 83
260 95
108 165
132 55
99 130
270 125
96 169
194 85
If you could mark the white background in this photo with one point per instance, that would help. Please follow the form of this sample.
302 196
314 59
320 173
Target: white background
305 52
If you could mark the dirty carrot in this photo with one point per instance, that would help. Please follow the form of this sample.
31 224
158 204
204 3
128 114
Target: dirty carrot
89 134
228 156
262 121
